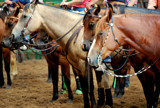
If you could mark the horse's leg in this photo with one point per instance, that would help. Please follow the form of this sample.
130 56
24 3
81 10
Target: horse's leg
101 96
1 69
54 68
121 87
157 88
91 93
66 72
6 57
83 77
13 65
109 100
49 80
148 88
78 85
116 86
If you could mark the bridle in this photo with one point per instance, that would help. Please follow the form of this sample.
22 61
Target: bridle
146 67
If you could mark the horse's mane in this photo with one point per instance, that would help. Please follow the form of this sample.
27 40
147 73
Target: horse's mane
3 13
28 4
122 9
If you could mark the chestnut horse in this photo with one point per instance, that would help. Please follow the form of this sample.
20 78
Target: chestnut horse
91 17
50 19
8 57
104 39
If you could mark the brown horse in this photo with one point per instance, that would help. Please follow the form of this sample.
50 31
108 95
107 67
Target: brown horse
91 17
4 52
150 79
55 57
8 56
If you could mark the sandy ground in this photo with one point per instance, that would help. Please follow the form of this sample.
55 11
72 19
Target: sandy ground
30 90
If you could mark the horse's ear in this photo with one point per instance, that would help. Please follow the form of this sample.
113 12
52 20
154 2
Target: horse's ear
98 9
109 15
6 9
20 5
87 7
34 3
17 12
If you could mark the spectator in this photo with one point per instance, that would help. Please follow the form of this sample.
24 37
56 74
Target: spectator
152 4
78 5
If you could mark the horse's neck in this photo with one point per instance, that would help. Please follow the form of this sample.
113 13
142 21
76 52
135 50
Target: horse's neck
57 22
140 31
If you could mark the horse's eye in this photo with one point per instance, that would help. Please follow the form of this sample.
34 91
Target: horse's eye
91 25
24 16
10 24
101 34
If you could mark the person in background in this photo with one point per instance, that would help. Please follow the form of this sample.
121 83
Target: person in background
21 1
78 5
152 4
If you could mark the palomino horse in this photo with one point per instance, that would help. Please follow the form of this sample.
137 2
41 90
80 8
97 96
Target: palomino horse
57 22
90 19
150 79
54 57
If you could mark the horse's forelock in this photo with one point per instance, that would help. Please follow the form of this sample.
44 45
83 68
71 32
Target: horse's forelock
26 6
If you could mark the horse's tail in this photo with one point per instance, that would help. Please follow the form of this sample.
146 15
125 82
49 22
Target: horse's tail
20 56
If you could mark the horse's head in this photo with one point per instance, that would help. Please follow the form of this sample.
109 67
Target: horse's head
90 19
100 36
39 38
10 22
28 22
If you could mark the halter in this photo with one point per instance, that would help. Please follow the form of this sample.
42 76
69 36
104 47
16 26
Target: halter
26 25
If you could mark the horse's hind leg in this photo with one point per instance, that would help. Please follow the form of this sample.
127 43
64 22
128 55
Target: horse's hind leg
54 69
1 69
66 72
49 80
6 56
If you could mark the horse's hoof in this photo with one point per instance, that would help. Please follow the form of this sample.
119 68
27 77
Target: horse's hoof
49 81
119 96
78 92
70 101
8 87
53 100
115 96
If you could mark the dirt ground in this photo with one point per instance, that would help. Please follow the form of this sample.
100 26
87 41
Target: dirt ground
30 90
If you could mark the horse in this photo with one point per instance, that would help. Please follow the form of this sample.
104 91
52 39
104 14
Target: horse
5 53
8 56
37 16
54 57
91 17
104 39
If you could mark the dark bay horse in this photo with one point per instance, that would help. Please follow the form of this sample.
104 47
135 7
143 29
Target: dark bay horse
150 79
57 22
55 57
